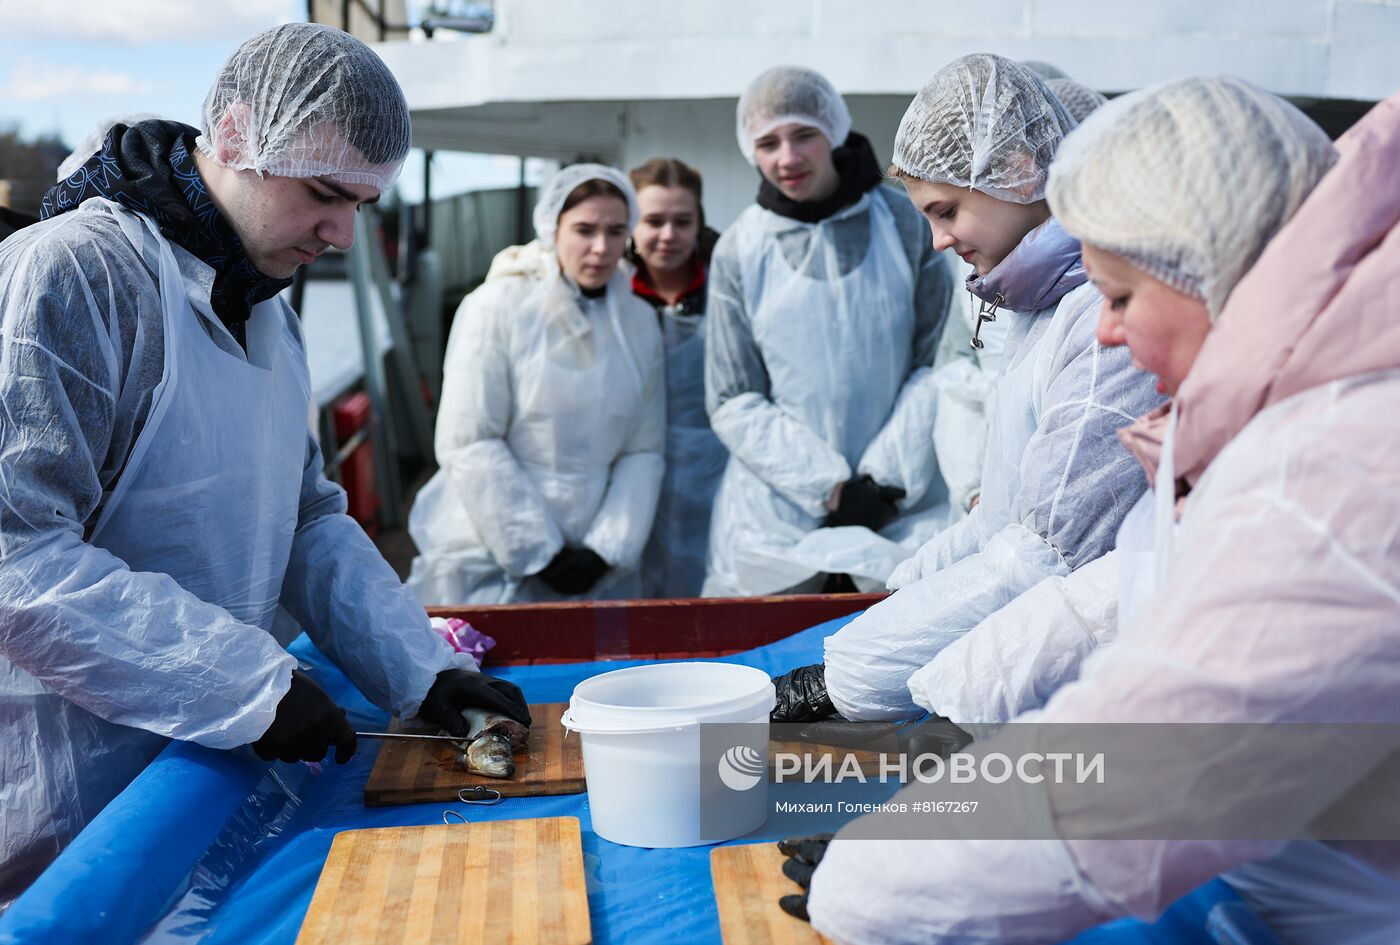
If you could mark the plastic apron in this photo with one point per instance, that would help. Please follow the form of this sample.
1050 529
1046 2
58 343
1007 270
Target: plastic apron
1144 542
210 496
806 329
556 383
695 457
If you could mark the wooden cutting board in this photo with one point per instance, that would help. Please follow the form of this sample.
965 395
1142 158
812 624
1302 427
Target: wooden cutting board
749 881
488 883
413 772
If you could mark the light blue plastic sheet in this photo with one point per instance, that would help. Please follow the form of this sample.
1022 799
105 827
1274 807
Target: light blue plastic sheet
218 847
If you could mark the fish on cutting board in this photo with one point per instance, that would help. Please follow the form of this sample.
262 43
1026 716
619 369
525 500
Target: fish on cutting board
491 743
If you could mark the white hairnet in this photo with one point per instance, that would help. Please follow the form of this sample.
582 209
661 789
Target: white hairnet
1189 180
787 94
986 123
1079 100
305 100
1044 69
92 143
556 192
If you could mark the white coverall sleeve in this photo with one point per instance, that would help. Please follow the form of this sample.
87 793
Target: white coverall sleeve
902 454
1013 661
131 647
501 500
957 541
1280 608
352 604
619 530
1076 485
789 456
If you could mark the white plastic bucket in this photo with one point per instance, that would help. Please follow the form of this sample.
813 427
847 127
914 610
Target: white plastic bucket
648 784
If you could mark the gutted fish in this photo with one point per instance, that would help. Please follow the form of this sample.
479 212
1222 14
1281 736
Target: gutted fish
491 743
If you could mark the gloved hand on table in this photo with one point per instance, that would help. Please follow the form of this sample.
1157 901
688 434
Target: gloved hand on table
307 723
801 695
803 853
933 736
457 689
863 501
573 571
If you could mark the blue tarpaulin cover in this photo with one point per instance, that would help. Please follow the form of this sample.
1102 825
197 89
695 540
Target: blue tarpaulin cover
219 847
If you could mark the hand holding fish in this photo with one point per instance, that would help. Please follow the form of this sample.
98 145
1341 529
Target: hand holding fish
489 715
457 690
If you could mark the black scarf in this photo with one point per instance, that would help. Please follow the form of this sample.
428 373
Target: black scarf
858 170
149 169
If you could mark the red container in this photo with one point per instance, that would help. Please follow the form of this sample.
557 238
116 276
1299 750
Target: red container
351 414
583 631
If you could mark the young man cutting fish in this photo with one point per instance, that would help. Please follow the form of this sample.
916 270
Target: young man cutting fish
160 497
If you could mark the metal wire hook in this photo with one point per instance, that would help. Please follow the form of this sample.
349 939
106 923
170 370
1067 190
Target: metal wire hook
987 313
447 816
481 794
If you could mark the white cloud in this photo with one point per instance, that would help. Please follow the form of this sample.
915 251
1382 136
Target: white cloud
143 21
34 81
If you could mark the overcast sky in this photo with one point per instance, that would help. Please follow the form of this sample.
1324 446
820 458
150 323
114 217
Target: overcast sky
66 65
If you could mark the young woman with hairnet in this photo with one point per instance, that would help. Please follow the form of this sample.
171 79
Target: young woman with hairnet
966 375
826 308
552 422
671 247
974 150
162 498
1279 599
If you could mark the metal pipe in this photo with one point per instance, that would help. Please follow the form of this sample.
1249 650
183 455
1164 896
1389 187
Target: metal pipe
427 199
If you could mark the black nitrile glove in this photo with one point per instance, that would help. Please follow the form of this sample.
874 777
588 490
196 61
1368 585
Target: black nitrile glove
866 502
802 695
935 736
803 853
307 724
458 689
573 571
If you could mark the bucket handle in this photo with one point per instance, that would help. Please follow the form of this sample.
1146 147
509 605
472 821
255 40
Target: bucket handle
568 722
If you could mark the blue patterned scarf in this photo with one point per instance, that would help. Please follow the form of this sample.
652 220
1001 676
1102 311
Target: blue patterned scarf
149 169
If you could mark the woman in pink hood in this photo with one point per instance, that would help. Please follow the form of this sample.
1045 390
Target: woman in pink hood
1277 594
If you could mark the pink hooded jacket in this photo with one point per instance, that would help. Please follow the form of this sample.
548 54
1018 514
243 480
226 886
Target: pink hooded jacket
1282 603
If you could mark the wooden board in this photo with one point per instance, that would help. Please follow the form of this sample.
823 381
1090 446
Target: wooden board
488 883
749 881
413 772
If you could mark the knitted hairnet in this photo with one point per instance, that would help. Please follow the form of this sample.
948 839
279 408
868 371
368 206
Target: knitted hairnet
1045 70
986 123
556 192
787 94
1189 180
1079 100
305 100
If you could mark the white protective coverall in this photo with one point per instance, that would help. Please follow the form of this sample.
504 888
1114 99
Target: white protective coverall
550 432
162 498
1281 604
965 377
1055 485
821 344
